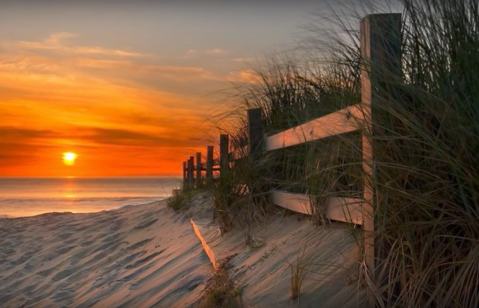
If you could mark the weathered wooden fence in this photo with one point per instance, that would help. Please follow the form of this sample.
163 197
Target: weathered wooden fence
380 49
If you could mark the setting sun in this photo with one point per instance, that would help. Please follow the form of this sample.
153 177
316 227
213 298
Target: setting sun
69 158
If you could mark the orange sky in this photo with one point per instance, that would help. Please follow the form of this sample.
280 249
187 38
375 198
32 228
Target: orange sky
128 90
69 101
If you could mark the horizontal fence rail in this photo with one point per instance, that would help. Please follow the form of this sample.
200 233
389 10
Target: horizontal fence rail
349 119
335 208
340 122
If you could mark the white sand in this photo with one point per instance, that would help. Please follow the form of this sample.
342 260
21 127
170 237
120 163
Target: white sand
148 256
264 270
138 256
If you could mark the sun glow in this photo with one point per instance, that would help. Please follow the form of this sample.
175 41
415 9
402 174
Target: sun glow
69 158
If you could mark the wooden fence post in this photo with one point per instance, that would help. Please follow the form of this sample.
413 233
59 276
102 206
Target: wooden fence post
255 133
191 162
185 176
209 166
381 55
198 170
224 159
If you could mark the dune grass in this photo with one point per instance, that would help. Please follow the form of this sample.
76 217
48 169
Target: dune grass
180 199
221 291
425 137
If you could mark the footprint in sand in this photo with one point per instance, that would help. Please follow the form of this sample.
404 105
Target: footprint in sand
64 236
64 274
132 257
109 246
63 296
47 272
136 273
145 225
87 243
63 250
145 260
110 238
139 244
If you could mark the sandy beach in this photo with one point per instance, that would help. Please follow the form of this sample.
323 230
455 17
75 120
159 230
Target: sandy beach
139 256
149 256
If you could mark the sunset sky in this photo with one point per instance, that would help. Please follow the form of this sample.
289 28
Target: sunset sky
125 87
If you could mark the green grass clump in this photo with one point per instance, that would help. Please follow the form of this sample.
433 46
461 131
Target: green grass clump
221 291
238 196
179 200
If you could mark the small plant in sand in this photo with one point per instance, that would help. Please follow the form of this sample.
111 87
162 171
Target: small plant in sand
300 267
221 291
235 195
252 241
267 254
180 199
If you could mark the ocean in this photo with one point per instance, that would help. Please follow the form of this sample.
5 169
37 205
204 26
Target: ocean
32 196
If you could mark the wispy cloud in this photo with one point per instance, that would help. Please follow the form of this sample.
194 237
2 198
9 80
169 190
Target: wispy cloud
216 51
57 42
245 76
196 53
244 59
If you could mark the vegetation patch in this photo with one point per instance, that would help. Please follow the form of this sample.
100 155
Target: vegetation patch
180 199
425 141
221 291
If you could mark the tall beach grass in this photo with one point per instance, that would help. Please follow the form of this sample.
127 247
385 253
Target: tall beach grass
425 137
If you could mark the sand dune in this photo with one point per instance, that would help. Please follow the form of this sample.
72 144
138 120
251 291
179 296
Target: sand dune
149 256
263 269
137 256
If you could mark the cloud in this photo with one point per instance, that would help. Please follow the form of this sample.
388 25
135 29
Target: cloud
56 43
176 73
12 133
242 59
216 51
25 145
181 72
56 38
245 76
195 53
132 138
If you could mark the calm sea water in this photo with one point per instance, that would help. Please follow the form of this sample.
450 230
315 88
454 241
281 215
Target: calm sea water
33 196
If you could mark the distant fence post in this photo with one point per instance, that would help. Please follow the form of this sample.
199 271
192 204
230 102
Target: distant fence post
209 166
185 176
381 55
191 162
255 133
224 159
198 170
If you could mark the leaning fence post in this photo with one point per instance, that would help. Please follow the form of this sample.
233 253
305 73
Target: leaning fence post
255 133
209 166
381 55
198 170
191 162
224 159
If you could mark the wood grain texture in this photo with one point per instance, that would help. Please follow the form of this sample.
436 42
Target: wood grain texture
209 252
209 166
338 209
340 122
198 170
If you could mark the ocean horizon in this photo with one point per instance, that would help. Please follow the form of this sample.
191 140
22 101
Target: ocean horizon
30 196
